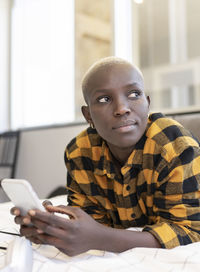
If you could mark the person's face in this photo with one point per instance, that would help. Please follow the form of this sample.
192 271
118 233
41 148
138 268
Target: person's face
117 105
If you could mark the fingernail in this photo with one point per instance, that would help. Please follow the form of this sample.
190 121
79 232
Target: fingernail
32 212
47 202
26 221
40 231
16 212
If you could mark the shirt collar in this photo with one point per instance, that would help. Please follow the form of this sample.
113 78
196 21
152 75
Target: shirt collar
106 165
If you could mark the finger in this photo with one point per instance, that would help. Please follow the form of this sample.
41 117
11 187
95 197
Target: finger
59 212
46 203
73 212
28 231
23 220
50 240
15 211
50 219
44 228
34 240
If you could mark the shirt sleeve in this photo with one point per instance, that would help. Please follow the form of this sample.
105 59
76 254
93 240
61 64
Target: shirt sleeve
78 196
177 199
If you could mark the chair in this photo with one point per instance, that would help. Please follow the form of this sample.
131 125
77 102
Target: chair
9 145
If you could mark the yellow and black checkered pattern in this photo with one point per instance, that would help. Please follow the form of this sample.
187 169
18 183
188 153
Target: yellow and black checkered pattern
157 189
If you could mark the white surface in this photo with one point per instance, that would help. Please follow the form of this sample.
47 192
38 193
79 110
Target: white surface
47 258
19 257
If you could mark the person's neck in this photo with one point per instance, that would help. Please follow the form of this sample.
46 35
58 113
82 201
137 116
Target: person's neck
120 154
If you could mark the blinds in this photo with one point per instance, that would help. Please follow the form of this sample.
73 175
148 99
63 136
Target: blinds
8 153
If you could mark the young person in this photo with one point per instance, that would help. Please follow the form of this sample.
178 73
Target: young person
128 169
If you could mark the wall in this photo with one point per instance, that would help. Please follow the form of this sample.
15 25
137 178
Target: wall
41 157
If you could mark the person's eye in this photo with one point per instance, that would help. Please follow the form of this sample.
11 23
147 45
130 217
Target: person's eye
103 99
134 94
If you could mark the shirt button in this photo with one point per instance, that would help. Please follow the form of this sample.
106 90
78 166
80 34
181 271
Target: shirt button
133 215
128 187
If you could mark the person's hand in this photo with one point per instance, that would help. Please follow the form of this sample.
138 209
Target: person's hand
78 232
71 236
25 221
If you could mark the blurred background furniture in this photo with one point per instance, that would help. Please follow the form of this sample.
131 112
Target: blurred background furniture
9 145
190 120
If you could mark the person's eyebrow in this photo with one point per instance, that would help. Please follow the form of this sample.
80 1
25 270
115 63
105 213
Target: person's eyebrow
134 84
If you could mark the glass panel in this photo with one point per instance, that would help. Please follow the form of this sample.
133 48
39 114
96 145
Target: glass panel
193 28
153 33
168 53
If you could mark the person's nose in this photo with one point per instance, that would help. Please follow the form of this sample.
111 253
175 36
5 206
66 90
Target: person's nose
121 108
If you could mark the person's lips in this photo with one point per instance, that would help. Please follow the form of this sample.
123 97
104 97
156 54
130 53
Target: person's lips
125 126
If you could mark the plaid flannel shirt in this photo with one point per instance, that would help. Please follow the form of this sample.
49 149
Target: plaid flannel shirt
157 188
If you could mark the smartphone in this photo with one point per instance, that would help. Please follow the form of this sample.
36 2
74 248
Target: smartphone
22 195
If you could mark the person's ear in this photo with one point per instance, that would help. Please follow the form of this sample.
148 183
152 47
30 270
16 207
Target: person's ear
148 100
86 113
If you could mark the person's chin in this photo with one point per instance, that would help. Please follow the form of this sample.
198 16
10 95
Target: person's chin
125 142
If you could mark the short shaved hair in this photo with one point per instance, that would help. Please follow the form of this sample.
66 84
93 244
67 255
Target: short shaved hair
98 66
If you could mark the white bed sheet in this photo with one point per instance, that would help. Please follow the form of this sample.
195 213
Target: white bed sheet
47 258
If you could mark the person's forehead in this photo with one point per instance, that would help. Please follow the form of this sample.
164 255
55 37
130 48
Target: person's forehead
118 74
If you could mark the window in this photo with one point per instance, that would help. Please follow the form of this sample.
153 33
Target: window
169 53
42 62
123 29
166 48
